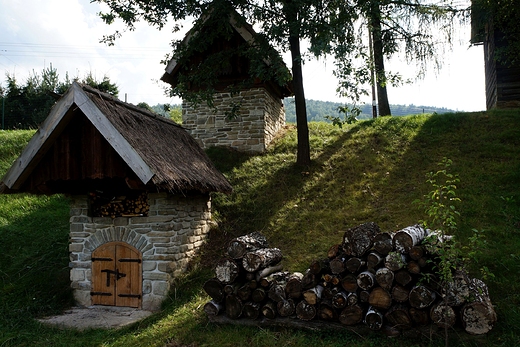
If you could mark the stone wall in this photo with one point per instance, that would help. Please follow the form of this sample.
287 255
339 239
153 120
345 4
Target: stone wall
260 116
167 239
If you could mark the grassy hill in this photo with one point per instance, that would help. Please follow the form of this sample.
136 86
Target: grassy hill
369 171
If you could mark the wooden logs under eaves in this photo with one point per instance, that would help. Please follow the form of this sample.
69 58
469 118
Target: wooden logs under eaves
383 281
130 205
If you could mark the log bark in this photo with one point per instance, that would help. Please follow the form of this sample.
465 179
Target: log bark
421 297
339 300
352 299
443 315
380 298
267 271
233 307
358 240
413 267
261 258
349 283
398 317
374 319
305 311
364 296
268 281
293 287
227 271
310 280
258 295
213 308
312 296
337 265
244 292
478 316
366 280
385 277
419 317
318 266
400 293
354 264
239 246
416 252
251 310
286 307
408 237
374 259
395 261
326 311
214 288
351 315
383 243
277 292
269 310
456 291
334 251
403 277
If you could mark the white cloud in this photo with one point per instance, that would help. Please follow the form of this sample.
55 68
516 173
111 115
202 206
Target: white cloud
36 33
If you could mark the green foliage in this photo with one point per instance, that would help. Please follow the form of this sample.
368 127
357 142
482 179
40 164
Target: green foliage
326 111
367 171
25 107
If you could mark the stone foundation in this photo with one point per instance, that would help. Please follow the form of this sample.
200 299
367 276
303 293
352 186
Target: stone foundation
259 116
167 238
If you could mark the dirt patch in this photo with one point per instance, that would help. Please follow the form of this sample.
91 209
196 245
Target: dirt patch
97 317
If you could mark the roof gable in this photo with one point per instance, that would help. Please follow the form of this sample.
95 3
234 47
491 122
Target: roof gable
157 151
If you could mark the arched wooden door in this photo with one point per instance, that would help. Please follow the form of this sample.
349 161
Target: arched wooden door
116 275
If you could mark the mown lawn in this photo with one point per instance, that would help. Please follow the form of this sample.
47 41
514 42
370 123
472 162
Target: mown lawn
369 171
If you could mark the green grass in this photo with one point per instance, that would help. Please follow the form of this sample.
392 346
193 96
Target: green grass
369 171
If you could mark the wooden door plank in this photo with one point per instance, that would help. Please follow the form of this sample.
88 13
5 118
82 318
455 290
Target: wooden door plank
103 258
129 286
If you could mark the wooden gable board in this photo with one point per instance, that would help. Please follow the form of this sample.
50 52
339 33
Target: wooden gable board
54 124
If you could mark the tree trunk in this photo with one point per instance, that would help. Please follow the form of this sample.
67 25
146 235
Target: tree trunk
244 292
403 277
269 310
293 287
303 156
305 311
261 258
478 316
400 294
312 296
377 41
213 308
339 300
267 271
239 246
385 277
383 243
349 283
443 315
358 240
286 308
351 315
227 271
258 295
380 298
374 259
233 306
409 237
421 297
374 319
251 310
366 280
337 265
354 264
326 311
398 317
310 280
214 288
458 289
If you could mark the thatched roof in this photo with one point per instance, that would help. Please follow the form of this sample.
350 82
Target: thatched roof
155 151
245 34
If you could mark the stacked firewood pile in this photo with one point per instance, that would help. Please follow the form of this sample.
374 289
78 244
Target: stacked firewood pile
131 205
385 281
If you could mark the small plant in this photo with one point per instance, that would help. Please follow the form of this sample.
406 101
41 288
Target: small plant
439 205
351 114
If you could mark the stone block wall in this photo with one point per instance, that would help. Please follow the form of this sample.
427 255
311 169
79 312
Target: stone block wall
167 239
260 115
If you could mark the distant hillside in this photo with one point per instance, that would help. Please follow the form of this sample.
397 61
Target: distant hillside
317 110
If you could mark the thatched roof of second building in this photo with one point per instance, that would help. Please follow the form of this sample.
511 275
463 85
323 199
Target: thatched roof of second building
91 139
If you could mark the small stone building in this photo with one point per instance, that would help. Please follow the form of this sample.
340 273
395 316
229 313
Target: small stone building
247 112
139 188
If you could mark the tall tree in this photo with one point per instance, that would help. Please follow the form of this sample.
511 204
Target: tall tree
416 30
285 23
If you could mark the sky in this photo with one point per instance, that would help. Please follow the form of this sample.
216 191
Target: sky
35 34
